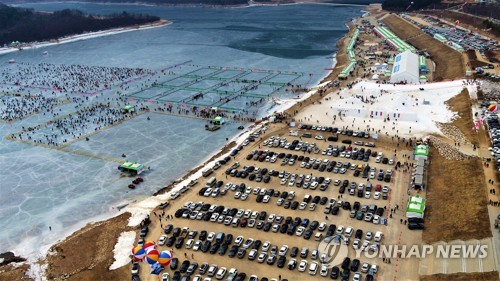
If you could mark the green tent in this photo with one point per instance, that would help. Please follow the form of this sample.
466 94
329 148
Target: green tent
128 108
423 78
422 150
415 207
133 168
218 120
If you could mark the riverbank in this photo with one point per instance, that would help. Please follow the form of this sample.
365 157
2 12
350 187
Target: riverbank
84 36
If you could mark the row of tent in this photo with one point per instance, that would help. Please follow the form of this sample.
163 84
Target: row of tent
352 56
393 40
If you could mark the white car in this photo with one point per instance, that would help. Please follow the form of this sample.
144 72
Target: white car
266 246
357 277
283 250
238 240
266 199
365 267
376 195
244 197
302 205
189 243
340 229
300 231
197 245
221 273
262 257
376 219
313 268
211 236
368 235
237 195
162 240
165 277
368 194
355 244
365 245
302 265
324 270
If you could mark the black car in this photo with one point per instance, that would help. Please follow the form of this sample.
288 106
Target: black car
179 243
256 244
283 228
294 252
204 267
267 226
345 274
415 226
203 235
177 232
168 229
359 234
233 251
206 246
223 249
345 263
314 225
170 241
415 220
354 265
184 266
323 200
174 263
229 239
335 210
335 272
242 253
177 276
295 205
191 269
281 261
307 234
214 248
262 215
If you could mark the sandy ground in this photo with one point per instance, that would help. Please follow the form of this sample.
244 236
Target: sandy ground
393 232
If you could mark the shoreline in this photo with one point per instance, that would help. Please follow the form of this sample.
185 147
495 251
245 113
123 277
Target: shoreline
138 209
84 36
197 5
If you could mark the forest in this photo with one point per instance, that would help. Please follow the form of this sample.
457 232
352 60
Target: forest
407 5
26 25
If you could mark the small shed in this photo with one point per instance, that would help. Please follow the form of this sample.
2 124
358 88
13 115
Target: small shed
415 207
218 120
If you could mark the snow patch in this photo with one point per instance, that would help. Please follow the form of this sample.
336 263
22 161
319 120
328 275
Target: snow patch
122 249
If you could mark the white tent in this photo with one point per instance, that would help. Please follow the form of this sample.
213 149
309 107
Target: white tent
405 68
375 77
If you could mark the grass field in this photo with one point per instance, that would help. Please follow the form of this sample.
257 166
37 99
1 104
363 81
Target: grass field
456 200
461 103
449 64
476 276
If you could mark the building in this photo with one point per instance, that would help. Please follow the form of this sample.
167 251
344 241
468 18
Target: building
406 68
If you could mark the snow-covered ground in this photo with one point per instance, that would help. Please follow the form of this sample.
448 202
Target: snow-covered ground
122 249
402 110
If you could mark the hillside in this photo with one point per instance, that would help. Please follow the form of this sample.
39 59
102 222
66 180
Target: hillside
26 25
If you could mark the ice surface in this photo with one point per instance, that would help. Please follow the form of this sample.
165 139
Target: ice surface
42 187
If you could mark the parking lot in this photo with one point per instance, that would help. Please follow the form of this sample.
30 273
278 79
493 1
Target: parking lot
292 199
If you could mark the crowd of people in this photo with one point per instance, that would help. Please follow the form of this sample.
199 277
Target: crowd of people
60 131
68 78
17 107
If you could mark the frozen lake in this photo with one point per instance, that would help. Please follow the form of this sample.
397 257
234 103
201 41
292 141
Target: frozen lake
42 187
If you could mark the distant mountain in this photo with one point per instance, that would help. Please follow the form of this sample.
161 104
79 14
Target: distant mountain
26 25
207 2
